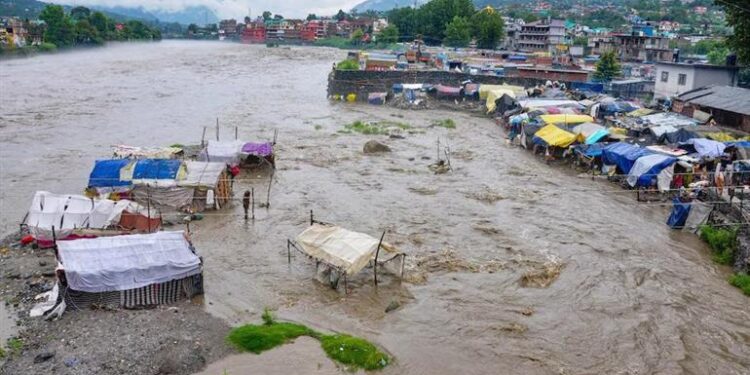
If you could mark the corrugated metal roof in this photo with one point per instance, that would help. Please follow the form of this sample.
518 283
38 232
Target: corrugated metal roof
726 98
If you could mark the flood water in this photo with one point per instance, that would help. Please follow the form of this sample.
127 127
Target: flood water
632 297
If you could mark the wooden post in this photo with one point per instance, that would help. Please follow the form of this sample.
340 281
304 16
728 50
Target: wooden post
268 196
275 135
203 137
377 252
438 150
236 129
54 242
252 196
148 207
217 129
311 218
288 251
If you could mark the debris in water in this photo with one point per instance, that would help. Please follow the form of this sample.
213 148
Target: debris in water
424 190
514 328
373 147
485 194
542 277
440 167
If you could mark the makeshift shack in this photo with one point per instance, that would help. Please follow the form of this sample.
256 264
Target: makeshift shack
623 155
650 169
344 253
126 271
553 136
211 182
257 153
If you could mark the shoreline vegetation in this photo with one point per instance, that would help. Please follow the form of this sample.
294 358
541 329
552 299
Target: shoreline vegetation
78 29
353 352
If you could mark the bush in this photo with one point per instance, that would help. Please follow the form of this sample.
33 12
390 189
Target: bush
742 281
446 123
354 352
47 47
722 241
259 338
347 65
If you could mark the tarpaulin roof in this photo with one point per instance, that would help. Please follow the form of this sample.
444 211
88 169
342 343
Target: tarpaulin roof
705 147
156 169
590 132
107 264
646 168
341 248
484 90
681 135
222 152
258 148
132 152
202 174
554 136
376 98
443 90
106 173
623 155
590 150
534 103
494 95
566 119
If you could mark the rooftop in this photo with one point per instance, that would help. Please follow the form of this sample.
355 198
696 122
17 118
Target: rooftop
700 66
726 98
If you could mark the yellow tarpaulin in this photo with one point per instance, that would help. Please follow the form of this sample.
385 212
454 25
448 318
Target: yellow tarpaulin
566 119
484 90
496 94
721 137
640 112
555 136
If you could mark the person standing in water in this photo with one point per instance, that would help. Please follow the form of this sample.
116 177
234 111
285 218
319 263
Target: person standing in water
246 202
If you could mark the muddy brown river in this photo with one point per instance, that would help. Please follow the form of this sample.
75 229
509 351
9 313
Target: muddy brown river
632 296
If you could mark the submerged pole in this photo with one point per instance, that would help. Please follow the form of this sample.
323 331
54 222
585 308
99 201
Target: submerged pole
377 252
203 138
288 251
217 129
268 196
252 195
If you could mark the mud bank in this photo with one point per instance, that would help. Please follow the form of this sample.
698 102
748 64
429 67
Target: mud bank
623 294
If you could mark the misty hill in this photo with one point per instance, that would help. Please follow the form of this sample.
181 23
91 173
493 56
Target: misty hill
385 5
198 15
31 8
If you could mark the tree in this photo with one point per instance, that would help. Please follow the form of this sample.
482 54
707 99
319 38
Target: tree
59 26
100 22
738 16
341 15
388 35
457 32
192 28
267 15
488 28
436 14
247 20
607 67
718 56
311 17
85 33
80 13
581 41
405 19
357 35
278 17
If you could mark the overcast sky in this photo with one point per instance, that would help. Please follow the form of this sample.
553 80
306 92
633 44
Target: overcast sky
235 8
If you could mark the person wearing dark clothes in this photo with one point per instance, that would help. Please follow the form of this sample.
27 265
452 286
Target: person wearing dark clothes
246 202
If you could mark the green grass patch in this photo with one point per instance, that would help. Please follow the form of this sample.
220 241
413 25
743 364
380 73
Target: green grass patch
445 123
377 128
349 350
15 345
723 242
347 65
177 145
353 351
742 281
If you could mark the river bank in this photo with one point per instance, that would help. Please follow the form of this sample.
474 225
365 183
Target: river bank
631 295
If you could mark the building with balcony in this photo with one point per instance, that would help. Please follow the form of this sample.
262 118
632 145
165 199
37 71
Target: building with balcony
543 35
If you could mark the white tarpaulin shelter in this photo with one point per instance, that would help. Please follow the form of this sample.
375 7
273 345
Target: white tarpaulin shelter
68 212
227 152
202 174
118 263
341 248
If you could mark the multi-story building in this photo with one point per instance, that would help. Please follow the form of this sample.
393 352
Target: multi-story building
512 31
676 78
227 29
543 35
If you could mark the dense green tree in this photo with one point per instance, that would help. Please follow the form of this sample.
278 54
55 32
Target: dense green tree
436 14
607 67
603 18
405 19
457 32
738 16
357 36
718 56
581 41
267 15
80 13
100 22
341 15
192 28
388 35
488 28
87 33
311 17
60 28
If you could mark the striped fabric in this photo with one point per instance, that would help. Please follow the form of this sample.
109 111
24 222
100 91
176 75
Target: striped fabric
154 294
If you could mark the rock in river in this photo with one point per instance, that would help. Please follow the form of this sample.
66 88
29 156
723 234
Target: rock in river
372 147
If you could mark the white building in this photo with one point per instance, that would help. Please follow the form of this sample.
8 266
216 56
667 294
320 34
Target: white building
673 79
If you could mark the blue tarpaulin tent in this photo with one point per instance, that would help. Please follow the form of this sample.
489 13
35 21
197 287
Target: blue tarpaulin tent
156 169
647 167
106 173
704 147
590 150
587 86
623 155
680 212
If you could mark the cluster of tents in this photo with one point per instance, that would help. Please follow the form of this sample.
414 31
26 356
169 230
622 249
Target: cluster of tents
108 243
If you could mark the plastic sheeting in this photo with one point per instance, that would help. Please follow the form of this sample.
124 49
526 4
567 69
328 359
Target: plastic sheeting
554 136
646 169
484 90
377 98
679 214
590 150
344 249
681 135
448 91
108 264
623 155
156 169
494 95
106 173
227 152
131 152
590 132
262 149
202 174
566 119
705 147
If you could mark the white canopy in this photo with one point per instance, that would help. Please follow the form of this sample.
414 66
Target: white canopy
227 152
202 174
341 248
107 264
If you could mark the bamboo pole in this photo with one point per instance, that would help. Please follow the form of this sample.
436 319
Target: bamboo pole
203 138
252 197
217 129
377 252
268 196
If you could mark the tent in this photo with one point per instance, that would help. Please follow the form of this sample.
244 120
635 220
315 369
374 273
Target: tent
448 91
471 89
157 172
484 90
69 213
705 148
650 167
680 135
106 175
227 152
212 183
679 214
376 98
128 271
590 132
566 119
345 252
551 135
494 95
590 150
623 155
